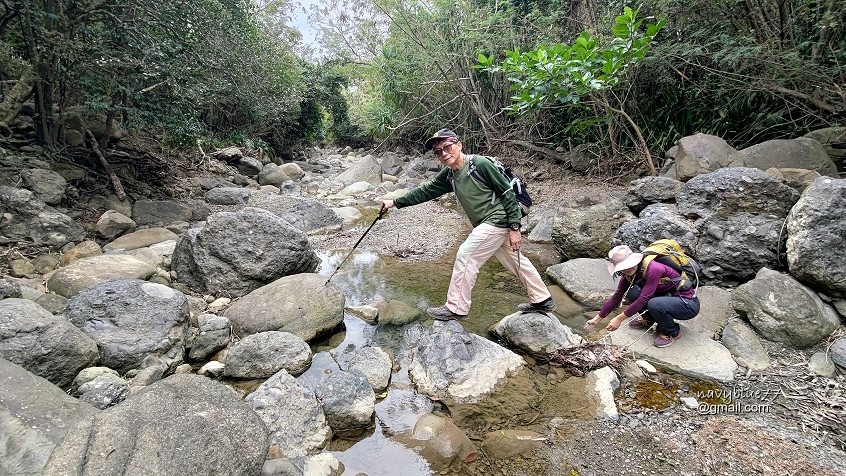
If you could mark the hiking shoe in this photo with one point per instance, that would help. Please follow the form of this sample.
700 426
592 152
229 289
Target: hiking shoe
663 340
640 323
547 305
442 313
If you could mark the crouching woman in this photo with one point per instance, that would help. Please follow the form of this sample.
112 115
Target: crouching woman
653 293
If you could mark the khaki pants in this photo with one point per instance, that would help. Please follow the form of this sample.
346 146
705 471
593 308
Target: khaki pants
484 241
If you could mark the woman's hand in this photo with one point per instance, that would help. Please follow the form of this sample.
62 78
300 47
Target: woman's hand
614 324
591 324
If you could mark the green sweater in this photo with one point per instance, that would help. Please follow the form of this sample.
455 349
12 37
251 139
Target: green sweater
475 197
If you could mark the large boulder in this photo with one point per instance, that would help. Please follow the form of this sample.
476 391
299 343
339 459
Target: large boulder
783 310
294 418
586 232
366 169
732 249
302 304
648 190
311 216
656 222
699 154
46 345
261 355
801 153
184 424
34 417
47 185
585 279
23 217
815 237
218 258
449 362
348 401
537 333
131 319
87 272
160 212
733 190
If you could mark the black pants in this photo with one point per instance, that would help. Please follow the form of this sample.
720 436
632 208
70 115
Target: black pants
666 309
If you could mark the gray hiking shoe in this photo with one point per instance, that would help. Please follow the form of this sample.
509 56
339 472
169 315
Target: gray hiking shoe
442 313
547 305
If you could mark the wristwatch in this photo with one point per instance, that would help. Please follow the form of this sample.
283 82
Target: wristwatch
514 226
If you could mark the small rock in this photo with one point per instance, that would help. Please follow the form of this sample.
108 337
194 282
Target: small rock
821 364
646 366
690 402
212 369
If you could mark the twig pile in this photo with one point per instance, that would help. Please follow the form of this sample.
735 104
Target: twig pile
582 358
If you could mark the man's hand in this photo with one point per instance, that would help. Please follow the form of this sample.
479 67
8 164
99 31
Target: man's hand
514 238
386 204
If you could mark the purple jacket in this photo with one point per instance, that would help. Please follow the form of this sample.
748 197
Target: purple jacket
651 287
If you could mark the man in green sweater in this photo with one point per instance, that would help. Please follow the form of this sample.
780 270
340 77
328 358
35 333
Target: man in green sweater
492 209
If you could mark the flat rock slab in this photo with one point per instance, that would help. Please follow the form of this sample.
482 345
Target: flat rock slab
695 354
586 279
84 273
141 239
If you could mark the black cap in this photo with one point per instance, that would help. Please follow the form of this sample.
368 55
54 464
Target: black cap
440 135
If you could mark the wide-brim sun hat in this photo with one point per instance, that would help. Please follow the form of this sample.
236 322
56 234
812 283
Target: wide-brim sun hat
439 136
621 257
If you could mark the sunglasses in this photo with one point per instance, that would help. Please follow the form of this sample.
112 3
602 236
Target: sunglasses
443 150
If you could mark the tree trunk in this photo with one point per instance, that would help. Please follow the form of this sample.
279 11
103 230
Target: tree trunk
11 105
121 194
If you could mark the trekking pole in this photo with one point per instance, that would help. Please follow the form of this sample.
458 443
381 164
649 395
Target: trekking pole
380 215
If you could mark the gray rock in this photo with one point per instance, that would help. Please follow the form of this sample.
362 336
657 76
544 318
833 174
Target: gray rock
714 311
586 280
648 190
160 212
228 195
699 154
695 354
449 362
311 216
249 166
52 303
293 170
542 229
261 355
300 304
26 218
294 418
218 259
34 417
783 310
656 222
9 289
230 155
738 246
820 364
47 185
735 190
272 174
141 239
396 312
130 319
84 273
604 383
46 345
348 401
838 352
185 424
103 391
786 153
586 232
89 374
815 237
214 335
366 169
744 345
375 364
113 224
535 333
